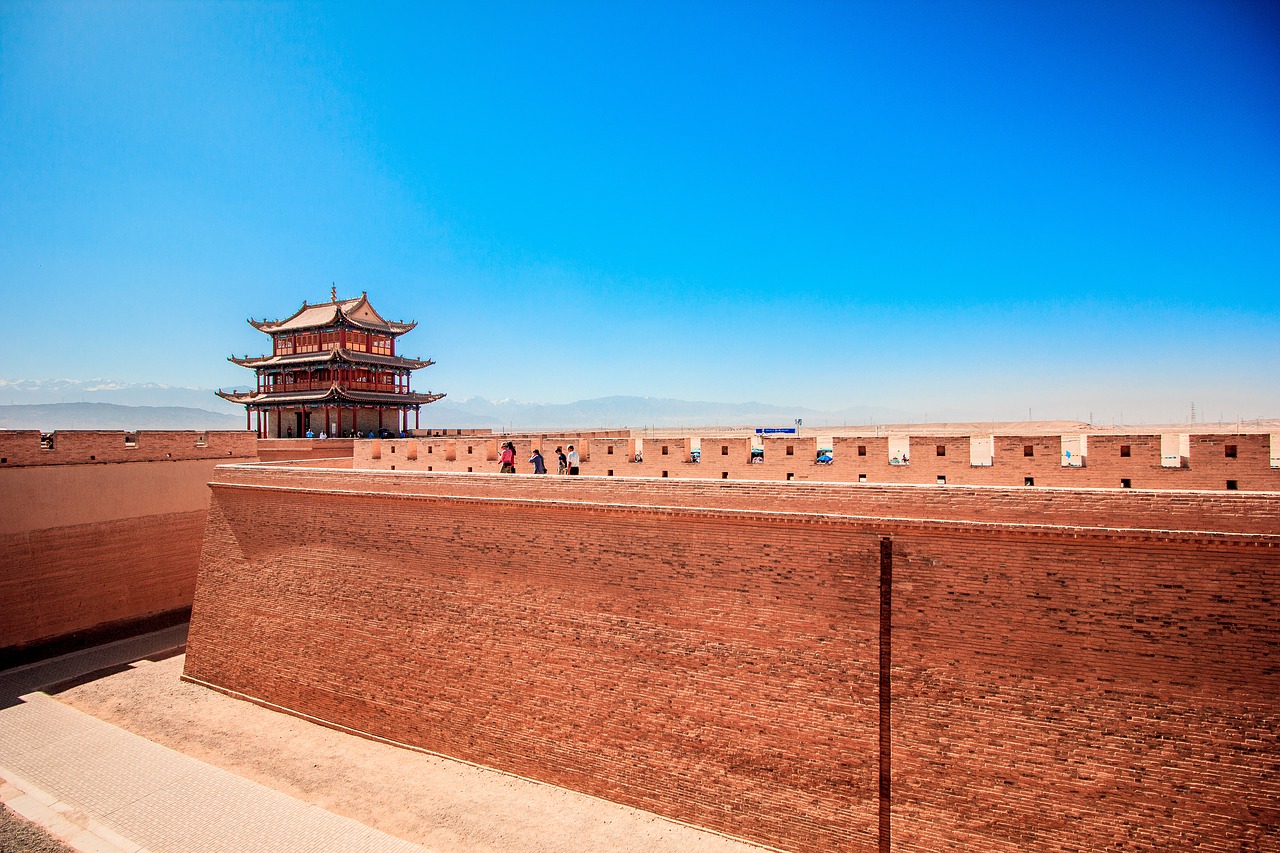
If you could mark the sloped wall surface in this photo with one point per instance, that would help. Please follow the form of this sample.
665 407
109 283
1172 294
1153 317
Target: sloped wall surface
813 667
101 529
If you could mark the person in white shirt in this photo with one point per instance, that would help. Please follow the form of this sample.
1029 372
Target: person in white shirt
573 460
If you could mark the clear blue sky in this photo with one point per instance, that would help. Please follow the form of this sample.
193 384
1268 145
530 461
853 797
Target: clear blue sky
962 208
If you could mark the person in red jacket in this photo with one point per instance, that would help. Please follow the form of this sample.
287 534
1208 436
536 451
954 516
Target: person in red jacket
508 459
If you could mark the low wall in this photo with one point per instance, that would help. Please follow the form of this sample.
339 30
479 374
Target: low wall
96 535
20 448
813 667
1214 462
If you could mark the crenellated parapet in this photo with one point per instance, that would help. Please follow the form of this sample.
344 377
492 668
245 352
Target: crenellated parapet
19 448
1228 462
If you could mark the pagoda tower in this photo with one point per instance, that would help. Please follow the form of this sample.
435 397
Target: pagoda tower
333 369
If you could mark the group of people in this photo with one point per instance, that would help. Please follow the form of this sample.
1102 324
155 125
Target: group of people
568 464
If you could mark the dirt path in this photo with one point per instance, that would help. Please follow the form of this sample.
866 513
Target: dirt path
441 804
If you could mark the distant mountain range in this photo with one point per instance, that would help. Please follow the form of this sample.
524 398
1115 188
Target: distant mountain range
54 416
103 404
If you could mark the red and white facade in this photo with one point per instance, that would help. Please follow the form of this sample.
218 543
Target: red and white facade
333 369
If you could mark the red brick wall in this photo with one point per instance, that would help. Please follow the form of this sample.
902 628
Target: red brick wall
95 533
290 449
83 447
1084 692
1209 467
1069 669
58 581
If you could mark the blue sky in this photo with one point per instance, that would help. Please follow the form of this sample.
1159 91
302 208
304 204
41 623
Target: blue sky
967 209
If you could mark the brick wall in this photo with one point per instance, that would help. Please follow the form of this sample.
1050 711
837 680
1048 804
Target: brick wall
82 447
96 533
1066 670
59 581
1110 461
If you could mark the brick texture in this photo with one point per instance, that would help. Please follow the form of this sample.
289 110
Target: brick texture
98 531
58 581
1208 466
1069 670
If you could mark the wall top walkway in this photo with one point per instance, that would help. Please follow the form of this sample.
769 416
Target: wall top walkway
1146 510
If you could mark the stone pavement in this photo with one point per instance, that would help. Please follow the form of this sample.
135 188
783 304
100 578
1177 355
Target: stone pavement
105 790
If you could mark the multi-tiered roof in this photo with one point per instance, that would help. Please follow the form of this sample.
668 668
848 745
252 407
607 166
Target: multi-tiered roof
336 355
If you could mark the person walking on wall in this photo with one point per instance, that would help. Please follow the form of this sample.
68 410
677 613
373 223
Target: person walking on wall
539 467
564 463
573 461
508 459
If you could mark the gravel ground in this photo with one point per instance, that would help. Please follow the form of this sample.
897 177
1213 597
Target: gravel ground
19 835
441 804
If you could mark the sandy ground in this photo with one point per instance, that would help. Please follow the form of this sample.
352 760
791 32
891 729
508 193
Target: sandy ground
441 804
19 834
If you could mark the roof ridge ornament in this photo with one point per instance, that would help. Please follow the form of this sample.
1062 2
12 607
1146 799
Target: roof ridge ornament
333 292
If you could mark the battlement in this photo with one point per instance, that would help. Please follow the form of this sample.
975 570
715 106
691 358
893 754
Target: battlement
21 448
761 658
1225 462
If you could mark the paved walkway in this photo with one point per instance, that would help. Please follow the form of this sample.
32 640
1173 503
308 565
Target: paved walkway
106 790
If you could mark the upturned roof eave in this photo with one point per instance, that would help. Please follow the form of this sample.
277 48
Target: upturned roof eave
339 354
341 313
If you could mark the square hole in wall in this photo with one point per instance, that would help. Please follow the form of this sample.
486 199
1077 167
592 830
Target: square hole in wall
393 448
790 475
664 450
942 450
1230 451
610 472
428 448
1126 483
469 470
724 450
1028 481
862 478
1126 450
1028 450
862 450
724 475
393 467
608 450
791 450
942 481
1233 485
468 450
429 468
